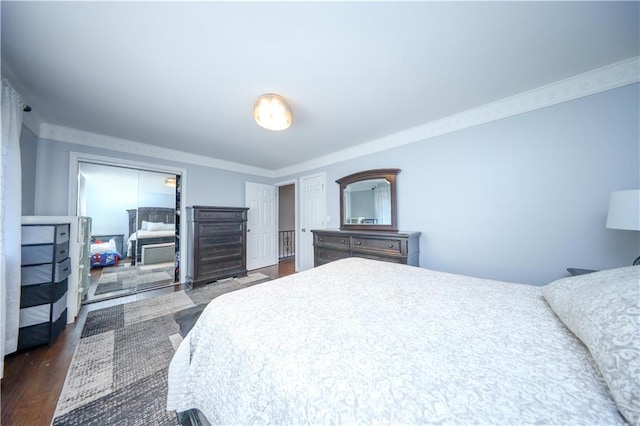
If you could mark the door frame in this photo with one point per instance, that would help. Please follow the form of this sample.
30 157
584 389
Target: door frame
293 182
76 157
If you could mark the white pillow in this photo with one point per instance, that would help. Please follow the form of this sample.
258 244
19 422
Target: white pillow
603 310
159 226
101 248
144 225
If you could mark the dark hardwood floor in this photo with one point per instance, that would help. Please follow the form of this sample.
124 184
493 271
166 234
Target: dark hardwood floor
33 379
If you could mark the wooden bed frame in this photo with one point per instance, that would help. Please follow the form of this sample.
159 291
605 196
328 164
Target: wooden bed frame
149 214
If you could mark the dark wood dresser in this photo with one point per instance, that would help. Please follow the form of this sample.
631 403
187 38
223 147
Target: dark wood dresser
334 244
217 244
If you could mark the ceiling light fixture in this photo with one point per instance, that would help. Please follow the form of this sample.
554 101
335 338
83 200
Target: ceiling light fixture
272 112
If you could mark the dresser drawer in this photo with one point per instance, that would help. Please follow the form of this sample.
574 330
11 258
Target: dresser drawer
33 255
326 255
43 234
41 334
332 240
389 245
390 259
216 240
218 215
38 294
40 274
47 312
220 267
213 253
206 229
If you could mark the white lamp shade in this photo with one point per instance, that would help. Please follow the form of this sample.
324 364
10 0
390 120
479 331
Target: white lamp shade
624 210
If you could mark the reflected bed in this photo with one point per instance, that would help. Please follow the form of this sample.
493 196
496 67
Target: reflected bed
140 235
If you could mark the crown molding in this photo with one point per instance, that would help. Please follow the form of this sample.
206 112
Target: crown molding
80 137
589 83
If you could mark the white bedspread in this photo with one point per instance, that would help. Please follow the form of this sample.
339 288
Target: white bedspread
140 235
365 342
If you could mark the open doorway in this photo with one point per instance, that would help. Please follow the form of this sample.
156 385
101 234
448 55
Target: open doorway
135 229
287 226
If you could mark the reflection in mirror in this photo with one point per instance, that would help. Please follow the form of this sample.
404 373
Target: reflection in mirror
368 200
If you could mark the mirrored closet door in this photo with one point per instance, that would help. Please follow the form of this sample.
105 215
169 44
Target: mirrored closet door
135 228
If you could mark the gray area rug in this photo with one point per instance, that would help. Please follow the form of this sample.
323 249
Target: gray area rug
141 277
118 374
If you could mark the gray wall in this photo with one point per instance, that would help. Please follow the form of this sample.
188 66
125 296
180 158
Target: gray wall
28 149
519 199
205 186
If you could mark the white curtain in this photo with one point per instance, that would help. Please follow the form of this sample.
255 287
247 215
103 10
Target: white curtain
382 201
10 218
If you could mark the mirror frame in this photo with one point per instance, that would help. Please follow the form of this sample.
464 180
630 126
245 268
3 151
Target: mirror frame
388 174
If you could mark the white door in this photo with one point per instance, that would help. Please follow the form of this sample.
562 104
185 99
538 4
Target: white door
262 225
313 212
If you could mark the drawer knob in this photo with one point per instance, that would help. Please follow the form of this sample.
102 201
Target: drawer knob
359 243
342 241
321 239
390 245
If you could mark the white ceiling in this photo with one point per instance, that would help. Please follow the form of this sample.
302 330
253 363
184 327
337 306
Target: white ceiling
185 75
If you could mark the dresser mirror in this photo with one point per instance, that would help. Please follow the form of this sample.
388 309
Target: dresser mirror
368 200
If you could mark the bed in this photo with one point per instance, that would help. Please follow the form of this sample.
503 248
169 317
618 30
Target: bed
358 341
147 226
104 251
